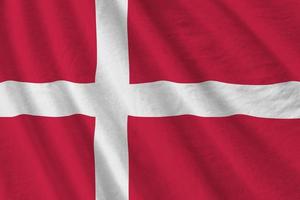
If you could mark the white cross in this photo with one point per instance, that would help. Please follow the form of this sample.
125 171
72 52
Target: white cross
111 99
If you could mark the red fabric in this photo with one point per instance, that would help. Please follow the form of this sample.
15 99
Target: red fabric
47 158
245 42
237 157
48 40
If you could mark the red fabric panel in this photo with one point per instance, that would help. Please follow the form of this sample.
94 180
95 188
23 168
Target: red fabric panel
237 157
47 158
49 40
245 42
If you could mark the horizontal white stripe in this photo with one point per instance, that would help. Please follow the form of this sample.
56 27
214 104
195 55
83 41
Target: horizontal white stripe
211 99
48 99
207 99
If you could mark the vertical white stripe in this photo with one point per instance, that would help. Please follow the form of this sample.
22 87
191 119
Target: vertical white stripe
112 83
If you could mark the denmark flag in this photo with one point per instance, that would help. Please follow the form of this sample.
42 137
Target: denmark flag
149 99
